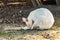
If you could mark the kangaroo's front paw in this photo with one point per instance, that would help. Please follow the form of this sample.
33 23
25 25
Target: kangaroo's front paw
31 27
25 28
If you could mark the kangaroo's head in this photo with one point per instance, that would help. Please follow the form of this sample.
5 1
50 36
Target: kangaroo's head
26 20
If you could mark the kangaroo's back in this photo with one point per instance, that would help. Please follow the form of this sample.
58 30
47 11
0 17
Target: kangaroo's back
41 12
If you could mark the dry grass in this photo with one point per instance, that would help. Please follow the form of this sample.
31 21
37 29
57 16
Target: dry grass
50 34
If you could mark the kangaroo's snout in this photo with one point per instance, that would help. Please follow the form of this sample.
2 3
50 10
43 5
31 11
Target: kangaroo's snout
25 19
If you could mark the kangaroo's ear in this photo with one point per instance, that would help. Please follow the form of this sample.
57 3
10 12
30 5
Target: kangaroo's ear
24 19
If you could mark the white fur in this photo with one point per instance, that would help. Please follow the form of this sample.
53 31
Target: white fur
25 28
42 17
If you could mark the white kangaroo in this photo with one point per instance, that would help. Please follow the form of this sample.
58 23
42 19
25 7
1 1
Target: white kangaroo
42 17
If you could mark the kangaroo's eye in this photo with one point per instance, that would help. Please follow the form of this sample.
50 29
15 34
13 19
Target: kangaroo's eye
26 19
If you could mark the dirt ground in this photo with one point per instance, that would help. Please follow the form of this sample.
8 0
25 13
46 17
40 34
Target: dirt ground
9 20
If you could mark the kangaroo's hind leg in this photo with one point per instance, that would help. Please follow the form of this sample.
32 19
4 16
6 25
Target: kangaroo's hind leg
35 24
